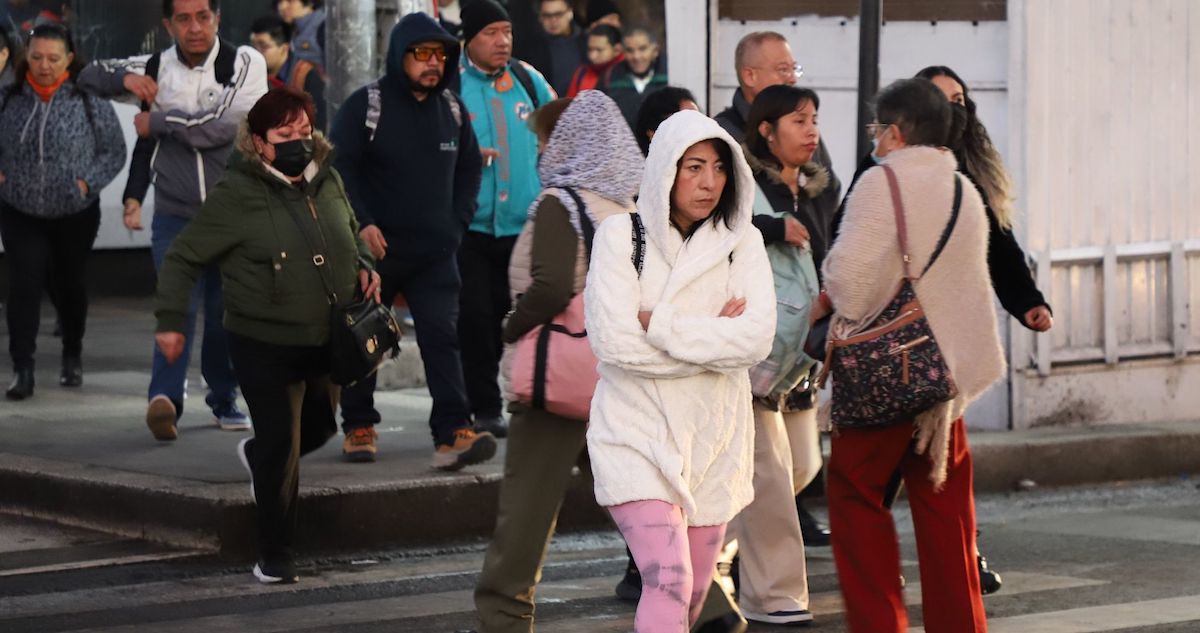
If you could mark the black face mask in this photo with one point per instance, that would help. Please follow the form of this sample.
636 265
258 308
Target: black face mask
292 157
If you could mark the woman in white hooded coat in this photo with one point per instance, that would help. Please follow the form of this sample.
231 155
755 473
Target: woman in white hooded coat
671 433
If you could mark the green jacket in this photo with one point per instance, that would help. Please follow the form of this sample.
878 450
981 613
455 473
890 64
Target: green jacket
273 292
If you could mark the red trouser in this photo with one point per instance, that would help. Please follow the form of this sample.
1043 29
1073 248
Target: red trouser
865 545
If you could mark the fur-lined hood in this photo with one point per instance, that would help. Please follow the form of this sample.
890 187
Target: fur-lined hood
816 176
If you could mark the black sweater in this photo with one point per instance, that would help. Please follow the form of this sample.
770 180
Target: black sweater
1007 263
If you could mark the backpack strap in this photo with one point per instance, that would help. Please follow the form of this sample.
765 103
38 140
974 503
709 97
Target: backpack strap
455 107
152 66
518 70
223 65
374 108
639 243
585 222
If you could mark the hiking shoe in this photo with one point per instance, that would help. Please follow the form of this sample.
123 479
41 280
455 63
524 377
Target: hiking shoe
281 572
229 418
815 533
494 424
161 418
359 445
798 617
469 448
243 452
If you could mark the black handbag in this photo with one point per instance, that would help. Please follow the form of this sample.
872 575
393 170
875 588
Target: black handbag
362 333
894 370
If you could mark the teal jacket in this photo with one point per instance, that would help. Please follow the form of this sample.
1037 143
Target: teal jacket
499 108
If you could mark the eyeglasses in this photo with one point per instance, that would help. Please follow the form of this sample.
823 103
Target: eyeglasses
204 18
557 15
794 72
424 54
876 129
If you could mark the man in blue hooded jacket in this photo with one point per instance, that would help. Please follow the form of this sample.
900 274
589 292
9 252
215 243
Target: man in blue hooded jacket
411 164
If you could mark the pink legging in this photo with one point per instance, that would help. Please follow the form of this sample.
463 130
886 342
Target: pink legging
676 563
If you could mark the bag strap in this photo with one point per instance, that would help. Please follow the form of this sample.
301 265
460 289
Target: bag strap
585 222
318 260
639 242
958 193
151 71
517 67
374 108
902 228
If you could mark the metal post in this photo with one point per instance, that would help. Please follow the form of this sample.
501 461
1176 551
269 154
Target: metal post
870 15
349 48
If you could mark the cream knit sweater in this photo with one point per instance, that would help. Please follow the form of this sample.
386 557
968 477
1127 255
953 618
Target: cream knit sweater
864 270
671 419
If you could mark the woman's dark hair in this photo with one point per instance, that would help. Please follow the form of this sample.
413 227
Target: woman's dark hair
657 107
277 107
727 204
47 32
977 156
608 32
169 7
543 120
769 106
918 108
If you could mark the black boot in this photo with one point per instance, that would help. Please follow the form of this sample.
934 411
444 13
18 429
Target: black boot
22 385
815 534
989 581
630 587
72 372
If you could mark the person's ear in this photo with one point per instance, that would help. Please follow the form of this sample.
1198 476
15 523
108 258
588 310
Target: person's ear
167 25
765 131
70 58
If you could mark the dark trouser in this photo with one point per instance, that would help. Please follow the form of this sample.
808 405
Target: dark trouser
865 546
31 244
431 290
542 450
483 260
292 404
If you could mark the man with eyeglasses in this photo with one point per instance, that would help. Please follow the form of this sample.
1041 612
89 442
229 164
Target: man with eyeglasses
411 164
561 46
195 95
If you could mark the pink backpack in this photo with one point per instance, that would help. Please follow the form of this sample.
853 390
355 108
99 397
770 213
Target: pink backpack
553 366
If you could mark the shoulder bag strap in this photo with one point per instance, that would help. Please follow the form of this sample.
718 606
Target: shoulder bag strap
318 259
958 193
901 227
639 242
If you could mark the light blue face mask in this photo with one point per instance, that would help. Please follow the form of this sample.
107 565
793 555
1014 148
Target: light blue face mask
874 149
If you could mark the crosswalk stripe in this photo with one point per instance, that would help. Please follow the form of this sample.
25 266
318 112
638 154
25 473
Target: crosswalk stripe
1109 617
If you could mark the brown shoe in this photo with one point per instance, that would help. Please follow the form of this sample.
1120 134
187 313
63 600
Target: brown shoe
468 448
359 445
160 417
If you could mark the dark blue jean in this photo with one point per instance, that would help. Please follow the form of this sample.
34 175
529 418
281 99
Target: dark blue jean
170 379
431 290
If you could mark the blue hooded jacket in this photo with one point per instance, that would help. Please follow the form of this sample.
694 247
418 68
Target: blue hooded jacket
419 178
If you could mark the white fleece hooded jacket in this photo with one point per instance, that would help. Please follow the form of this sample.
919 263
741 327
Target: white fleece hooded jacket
671 419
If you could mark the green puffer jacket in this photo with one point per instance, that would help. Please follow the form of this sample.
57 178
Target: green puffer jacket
273 292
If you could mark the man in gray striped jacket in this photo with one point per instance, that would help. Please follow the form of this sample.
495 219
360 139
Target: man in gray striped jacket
195 95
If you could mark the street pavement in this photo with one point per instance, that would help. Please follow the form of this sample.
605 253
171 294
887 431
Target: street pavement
1117 558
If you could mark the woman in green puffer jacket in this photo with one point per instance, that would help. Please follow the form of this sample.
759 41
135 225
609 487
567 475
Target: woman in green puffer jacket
279 195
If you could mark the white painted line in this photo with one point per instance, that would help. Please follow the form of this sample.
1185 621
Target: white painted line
1015 583
1109 617
102 562
1120 526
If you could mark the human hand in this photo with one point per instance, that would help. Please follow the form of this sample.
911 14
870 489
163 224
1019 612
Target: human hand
83 187
644 318
370 282
1039 319
141 123
794 232
171 345
133 215
374 239
142 87
2 178
489 154
733 308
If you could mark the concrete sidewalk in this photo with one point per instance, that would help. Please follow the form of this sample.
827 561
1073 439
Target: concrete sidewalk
84 456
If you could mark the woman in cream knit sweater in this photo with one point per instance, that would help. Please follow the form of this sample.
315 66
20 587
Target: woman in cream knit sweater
671 430
863 271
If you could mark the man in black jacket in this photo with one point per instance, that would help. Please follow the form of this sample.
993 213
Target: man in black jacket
412 168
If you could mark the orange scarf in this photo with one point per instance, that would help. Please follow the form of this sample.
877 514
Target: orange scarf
46 92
